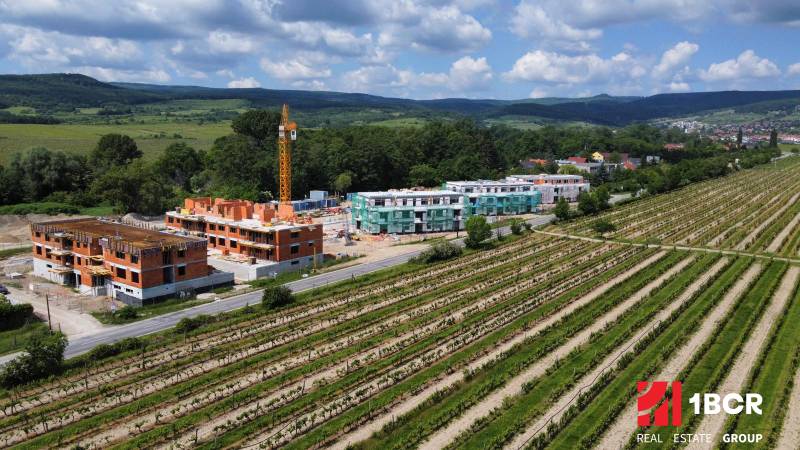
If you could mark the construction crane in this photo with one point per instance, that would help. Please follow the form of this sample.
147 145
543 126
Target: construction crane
287 132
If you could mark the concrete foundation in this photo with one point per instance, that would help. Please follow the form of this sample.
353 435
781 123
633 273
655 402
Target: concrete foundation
248 272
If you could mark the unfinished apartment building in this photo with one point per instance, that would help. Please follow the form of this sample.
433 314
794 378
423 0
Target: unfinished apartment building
249 240
554 187
497 198
132 264
406 211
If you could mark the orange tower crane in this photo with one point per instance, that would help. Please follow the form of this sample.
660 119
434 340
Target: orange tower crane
287 132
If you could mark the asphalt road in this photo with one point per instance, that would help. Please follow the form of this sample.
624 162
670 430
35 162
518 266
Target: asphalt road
83 344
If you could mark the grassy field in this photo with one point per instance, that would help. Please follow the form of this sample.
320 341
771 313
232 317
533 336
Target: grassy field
152 138
15 340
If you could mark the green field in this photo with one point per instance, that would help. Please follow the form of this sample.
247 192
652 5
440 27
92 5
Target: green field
152 138
15 340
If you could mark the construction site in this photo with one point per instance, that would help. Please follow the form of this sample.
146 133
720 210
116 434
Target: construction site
412 211
128 263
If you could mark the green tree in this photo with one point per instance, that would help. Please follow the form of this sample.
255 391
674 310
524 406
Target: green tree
603 226
773 138
44 356
551 167
569 170
179 163
478 230
562 209
135 188
113 150
587 203
739 137
516 227
277 297
261 125
423 175
343 182
239 169
602 198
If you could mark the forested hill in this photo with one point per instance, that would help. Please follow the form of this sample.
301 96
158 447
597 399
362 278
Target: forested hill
63 92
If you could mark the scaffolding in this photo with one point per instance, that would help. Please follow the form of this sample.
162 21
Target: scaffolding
406 219
504 204
430 216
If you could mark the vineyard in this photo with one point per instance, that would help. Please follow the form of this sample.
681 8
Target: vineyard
535 342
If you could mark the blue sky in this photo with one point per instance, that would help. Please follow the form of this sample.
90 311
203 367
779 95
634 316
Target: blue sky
414 48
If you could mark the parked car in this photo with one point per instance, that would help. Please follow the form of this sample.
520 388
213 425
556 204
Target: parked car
3 290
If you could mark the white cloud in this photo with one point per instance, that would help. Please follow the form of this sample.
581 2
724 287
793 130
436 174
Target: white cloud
531 21
223 42
226 73
242 83
793 70
747 65
377 78
138 76
446 29
679 86
294 69
564 69
675 59
469 74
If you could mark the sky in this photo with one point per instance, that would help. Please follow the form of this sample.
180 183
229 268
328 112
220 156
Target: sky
504 49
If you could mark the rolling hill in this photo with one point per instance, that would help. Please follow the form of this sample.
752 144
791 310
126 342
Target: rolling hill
60 92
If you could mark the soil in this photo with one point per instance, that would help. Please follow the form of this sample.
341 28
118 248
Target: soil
617 435
366 430
735 380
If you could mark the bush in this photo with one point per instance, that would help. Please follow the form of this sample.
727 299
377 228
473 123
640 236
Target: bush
188 324
43 357
439 252
603 226
50 208
14 316
277 297
104 351
562 209
477 231
516 227
127 312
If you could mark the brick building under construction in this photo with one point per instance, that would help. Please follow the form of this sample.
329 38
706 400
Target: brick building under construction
132 264
249 229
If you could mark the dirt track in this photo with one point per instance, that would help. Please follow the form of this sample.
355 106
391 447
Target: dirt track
738 375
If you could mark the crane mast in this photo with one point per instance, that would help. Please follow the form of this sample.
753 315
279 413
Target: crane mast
287 132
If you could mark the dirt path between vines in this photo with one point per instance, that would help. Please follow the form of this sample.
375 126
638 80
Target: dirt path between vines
776 243
737 377
514 386
234 385
365 431
790 433
754 234
556 411
618 434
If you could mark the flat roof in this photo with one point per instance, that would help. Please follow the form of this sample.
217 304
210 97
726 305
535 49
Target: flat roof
377 194
488 183
137 237
545 175
249 224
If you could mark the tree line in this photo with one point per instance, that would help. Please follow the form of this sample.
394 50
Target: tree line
244 163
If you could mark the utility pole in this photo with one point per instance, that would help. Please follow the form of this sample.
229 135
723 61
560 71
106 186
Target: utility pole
49 322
